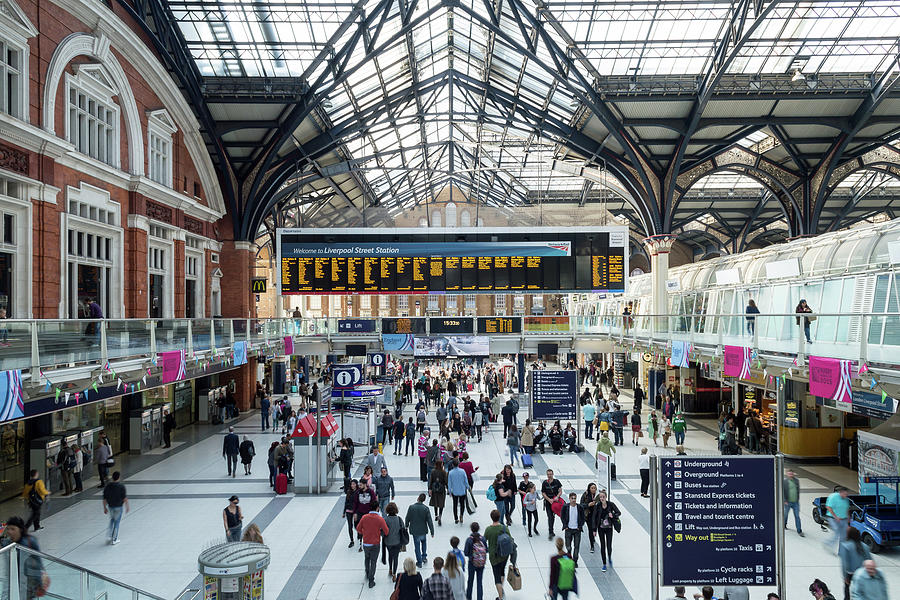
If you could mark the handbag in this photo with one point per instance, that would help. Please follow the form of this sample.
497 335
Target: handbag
395 595
514 578
640 434
471 505
404 536
41 590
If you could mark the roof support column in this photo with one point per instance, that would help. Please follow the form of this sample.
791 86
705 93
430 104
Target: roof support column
658 247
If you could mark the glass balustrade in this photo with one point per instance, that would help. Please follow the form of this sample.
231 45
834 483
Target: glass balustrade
15 344
68 342
172 334
129 338
201 334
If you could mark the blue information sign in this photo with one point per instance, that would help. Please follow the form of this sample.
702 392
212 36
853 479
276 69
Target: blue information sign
718 521
356 325
346 376
871 405
554 395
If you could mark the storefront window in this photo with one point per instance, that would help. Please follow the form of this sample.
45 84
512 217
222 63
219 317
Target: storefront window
12 458
112 422
184 403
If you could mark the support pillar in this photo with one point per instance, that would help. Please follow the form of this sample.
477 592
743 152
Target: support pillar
659 246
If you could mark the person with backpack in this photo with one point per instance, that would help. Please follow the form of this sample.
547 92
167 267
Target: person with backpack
605 520
476 551
437 490
32 567
34 494
410 435
399 433
419 524
562 573
500 548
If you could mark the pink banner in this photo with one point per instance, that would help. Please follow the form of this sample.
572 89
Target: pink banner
737 362
288 345
830 378
173 365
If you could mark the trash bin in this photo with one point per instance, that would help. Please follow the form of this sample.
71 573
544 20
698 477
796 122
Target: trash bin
234 571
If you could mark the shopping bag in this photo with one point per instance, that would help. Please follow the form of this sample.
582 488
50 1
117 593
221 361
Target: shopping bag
471 505
514 578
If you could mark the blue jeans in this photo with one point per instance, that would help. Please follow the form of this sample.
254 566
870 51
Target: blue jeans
806 332
473 573
795 506
115 517
679 438
421 545
588 429
398 444
501 506
514 455
382 504
617 434
265 420
839 532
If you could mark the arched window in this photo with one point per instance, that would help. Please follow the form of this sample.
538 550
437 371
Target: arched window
450 211
465 218
435 218
423 222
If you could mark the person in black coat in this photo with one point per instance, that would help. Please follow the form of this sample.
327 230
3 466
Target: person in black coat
247 452
572 524
168 426
231 446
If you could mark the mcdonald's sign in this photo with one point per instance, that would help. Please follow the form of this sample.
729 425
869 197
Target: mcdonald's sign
258 286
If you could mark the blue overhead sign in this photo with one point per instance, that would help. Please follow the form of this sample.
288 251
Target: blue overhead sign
356 325
554 395
871 405
718 522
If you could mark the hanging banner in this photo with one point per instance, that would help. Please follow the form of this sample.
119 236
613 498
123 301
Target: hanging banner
679 354
12 399
737 362
288 345
879 456
401 343
240 353
830 378
173 365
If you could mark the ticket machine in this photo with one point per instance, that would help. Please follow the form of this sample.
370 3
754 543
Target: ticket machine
156 416
140 430
88 439
42 455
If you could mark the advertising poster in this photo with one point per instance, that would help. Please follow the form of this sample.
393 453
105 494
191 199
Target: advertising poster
878 457
679 354
288 347
830 378
11 396
737 362
401 343
240 352
173 365
554 324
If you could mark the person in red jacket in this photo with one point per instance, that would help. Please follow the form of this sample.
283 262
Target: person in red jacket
371 527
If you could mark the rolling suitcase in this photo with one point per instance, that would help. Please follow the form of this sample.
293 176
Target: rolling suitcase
281 482
612 471
527 462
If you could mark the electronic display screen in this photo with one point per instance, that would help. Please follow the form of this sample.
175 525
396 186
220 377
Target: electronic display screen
454 345
499 325
462 260
450 325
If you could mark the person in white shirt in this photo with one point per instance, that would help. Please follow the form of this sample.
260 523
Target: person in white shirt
644 467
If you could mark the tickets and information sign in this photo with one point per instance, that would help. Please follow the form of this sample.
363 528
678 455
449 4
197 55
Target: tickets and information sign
718 522
461 260
554 395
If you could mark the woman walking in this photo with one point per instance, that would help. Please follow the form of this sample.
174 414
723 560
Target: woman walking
513 441
409 583
529 505
527 438
437 489
510 489
606 520
233 519
270 462
393 541
247 452
653 427
666 427
454 575
498 494
350 493
635 427
589 502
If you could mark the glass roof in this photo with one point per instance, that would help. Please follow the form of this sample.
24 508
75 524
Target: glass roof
452 100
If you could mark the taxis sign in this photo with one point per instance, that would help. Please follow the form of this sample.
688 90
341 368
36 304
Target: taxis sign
258 285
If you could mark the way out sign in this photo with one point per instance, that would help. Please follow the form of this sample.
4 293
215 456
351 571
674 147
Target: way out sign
346 376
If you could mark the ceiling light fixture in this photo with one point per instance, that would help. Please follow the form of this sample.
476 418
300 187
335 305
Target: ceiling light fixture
798 76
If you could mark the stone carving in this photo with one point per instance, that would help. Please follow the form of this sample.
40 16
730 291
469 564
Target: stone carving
159 212
193 225
14 160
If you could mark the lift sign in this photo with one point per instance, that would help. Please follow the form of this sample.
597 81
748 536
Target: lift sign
718 521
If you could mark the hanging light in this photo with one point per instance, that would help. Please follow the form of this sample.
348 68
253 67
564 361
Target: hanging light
798 76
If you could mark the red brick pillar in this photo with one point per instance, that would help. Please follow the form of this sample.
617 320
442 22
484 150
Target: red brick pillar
136 303
245 384
46 246
178 278
237 261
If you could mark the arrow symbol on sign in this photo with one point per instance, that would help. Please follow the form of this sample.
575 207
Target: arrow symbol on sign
668 473
668 495
668 484
668 505
668 537
669 526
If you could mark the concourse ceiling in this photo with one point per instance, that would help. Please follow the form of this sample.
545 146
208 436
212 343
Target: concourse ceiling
340 113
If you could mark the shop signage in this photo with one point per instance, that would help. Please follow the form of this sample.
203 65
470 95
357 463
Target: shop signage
356 325
791 413
258 286
870 405
718 522
554 395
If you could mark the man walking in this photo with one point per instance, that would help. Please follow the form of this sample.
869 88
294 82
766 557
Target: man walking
550 490
508 415
458 484
791 494
419 524
838 512
868 583
231 446
437 587
114 500
265 406
572 518
371 527
588 411
384 489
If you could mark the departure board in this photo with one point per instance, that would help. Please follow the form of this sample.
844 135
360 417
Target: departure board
463 260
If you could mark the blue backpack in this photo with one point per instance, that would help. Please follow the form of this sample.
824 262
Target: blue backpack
491 494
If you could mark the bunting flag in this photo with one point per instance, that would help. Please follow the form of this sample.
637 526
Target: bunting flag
57 395
67 398
96 389
863 368
883 396
873 384
12 396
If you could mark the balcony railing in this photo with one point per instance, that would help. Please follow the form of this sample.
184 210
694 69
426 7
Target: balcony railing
45 343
